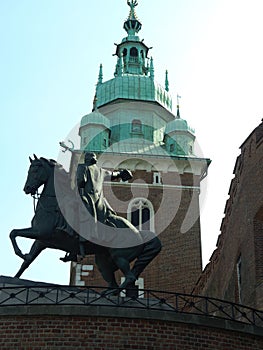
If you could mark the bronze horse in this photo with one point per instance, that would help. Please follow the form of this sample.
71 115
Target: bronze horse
49 229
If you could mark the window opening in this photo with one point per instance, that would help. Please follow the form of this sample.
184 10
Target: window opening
157 179
134 52
136 126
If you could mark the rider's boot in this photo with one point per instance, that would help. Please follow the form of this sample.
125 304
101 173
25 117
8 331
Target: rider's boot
69 257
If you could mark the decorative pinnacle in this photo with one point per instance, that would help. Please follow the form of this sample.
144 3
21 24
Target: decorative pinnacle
166 81
95 100
178 106
100 77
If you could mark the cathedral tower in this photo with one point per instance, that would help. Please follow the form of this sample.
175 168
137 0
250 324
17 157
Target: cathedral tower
132 126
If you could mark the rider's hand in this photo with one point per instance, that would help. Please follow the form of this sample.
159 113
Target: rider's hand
125 175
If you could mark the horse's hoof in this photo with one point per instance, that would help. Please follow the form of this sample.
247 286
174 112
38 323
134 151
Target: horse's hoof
128 282
131 285
69 257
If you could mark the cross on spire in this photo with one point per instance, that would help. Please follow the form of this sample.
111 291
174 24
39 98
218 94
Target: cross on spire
132 24
132 4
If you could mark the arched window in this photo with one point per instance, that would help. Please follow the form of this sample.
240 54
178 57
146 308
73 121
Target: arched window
136 126
141 214
157 178
133 52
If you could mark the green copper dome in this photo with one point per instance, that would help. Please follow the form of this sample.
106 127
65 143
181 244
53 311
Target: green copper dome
95 118
178 124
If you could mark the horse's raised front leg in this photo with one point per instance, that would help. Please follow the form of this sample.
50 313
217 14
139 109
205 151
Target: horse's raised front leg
26 233
35 250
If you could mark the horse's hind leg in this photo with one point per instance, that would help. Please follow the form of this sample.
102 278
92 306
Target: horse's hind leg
106 268
35 250
124 265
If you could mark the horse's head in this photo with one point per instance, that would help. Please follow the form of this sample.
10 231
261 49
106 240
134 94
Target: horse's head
38 174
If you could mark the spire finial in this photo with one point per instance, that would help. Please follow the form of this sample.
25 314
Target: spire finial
178 106
132 24
132 4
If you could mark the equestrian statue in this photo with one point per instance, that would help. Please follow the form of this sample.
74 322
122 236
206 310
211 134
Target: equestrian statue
81 222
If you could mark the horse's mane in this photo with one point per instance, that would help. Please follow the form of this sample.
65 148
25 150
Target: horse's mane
50 162
61 176
54 164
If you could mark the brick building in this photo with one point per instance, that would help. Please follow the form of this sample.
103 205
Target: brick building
132 126
235 271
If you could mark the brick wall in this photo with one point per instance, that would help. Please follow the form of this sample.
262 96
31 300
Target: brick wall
241 233
99 333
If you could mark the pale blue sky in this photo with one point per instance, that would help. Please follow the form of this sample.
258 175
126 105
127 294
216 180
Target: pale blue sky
50 56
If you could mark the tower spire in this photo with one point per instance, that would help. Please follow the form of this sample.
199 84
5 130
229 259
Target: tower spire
134 73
